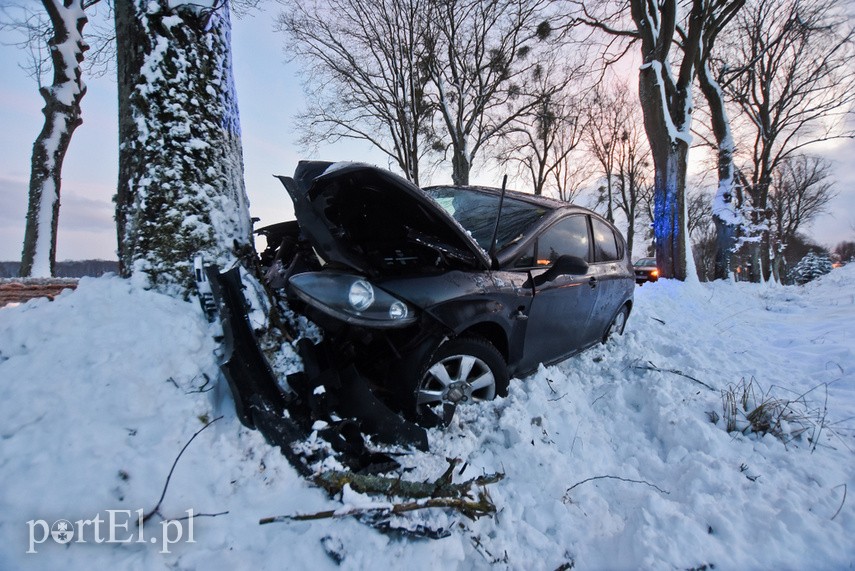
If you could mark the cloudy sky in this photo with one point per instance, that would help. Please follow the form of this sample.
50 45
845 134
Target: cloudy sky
269 94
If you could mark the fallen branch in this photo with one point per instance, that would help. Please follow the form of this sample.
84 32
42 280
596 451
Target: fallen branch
156 509
194 516
471 509
616 478
440 493
334 482
843 501
652 367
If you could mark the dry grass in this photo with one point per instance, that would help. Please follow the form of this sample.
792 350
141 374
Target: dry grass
748 409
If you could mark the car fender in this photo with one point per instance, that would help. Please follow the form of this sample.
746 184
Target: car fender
488 318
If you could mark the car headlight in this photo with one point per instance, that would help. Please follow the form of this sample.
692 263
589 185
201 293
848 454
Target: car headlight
398 310
351 299
361 295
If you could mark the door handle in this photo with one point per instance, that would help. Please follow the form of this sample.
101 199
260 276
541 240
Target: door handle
592 282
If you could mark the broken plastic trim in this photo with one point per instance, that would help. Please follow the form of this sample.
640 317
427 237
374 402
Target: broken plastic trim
349 395
244 365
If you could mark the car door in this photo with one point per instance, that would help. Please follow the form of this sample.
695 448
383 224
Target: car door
558 320
608 257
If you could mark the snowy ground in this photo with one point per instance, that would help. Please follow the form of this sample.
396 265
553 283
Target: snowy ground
103 387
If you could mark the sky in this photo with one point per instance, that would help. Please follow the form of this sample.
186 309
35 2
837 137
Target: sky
270 95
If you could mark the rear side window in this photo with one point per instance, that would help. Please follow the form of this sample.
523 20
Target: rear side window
567 237
606 244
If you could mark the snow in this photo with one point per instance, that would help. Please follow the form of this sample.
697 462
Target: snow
44 234
611 460
71 46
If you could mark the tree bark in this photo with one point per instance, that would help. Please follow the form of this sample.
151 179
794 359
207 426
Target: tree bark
460 167
181 190
62 116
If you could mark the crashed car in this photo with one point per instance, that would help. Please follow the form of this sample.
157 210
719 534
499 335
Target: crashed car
439 295
645 270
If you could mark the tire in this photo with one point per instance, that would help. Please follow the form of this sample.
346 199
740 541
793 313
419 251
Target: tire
617 324
460 371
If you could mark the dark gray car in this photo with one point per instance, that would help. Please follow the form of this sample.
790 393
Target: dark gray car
430 297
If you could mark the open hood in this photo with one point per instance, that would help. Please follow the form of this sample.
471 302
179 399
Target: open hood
376 222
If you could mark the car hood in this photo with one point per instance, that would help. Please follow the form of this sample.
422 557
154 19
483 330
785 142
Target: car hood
377 223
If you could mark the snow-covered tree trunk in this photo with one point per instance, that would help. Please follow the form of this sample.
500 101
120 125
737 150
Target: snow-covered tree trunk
181 189
667 105
726 216
669 145
62 115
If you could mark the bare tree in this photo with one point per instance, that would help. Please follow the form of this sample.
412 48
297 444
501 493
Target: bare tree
702 231
485 56
802 187
788 69
616 140
699 216
667 105
181 189
633 175
541 142
607 114
54 42
570 176
365 65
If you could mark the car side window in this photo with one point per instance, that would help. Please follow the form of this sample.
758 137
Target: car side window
605 242
567 237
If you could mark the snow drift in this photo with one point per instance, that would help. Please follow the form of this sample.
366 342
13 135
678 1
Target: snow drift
611 458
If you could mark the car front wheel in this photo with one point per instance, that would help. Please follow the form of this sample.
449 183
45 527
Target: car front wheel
459 372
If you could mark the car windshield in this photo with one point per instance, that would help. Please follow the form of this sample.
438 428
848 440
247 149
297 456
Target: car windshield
646 263
476 212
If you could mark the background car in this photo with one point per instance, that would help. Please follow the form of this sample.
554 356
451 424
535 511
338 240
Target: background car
440 295
645 270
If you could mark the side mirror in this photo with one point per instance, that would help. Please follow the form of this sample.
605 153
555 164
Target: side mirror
563 266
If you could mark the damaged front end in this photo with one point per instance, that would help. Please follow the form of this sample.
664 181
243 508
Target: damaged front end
329 389
388 275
